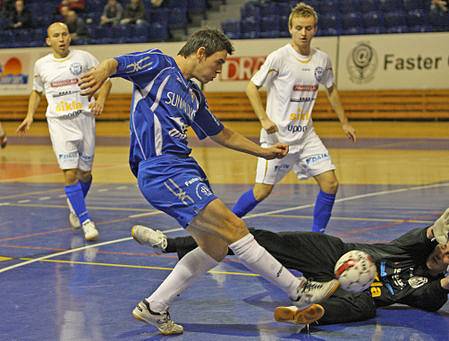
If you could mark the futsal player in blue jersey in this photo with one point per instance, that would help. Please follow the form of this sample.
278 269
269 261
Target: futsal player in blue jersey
166 102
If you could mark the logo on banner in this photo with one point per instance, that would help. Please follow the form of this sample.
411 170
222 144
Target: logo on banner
240 68
362 63
11 72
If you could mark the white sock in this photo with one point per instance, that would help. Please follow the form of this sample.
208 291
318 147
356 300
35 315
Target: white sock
258 260
188 269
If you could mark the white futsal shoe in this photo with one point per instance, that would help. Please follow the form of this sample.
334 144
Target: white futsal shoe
147 236
296 315
73 219
310 292
161 321
90 231
441 228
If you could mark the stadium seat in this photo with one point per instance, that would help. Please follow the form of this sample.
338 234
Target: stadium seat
369 6
269 27
373 19
410 5
250 28
231 28
350 20
196 6
395 19
417 17
390 5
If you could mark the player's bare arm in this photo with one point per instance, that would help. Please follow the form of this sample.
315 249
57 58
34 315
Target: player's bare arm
33 104
334 99
233 140
252 91
97 106
93 79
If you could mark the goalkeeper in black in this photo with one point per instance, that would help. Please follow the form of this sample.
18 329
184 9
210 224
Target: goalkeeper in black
411 269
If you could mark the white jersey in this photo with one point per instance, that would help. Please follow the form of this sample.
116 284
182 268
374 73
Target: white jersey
292 82
58 78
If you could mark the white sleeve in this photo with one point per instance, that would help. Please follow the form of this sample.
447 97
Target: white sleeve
38 85
268 71
328 74
91 61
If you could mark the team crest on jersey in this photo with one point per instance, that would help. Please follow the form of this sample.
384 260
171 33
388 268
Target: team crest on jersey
417 281
76 69
319 71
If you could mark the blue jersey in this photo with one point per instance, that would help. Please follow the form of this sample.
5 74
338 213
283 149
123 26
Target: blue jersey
164 104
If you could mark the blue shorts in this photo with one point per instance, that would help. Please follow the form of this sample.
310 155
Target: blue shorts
175 185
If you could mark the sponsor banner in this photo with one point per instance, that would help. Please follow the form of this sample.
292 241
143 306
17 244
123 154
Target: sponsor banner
249 55
14 72
394 61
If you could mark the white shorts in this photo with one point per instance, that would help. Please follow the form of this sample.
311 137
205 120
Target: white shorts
310 160
73 141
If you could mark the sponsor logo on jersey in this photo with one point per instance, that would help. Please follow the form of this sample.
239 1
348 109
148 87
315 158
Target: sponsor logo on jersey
300 116
192 181
202 190
70 115
302 99
178 102
305 87
317 158
296 128
76 69
181 134
64 106
65 93
417 281
362 63
319 71
139 65
65 82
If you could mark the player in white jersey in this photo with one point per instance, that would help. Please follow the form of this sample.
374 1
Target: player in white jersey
70 117
292 75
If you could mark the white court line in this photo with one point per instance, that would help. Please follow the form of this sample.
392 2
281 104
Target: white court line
361 196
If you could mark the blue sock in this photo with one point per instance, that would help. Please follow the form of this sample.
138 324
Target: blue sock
85 186
75 195
322 211
245 203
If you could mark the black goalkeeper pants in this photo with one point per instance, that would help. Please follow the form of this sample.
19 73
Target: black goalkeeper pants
315 255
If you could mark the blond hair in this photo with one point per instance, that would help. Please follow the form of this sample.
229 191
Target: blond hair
302 10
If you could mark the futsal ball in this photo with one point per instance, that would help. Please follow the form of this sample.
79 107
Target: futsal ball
355 271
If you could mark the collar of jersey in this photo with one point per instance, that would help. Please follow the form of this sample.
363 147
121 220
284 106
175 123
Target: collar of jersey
298 55
59 60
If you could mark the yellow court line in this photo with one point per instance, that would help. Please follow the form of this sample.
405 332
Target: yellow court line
90 207
4 259
31 193
130 266
291 216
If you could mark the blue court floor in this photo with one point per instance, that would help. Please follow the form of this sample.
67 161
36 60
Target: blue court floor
54 286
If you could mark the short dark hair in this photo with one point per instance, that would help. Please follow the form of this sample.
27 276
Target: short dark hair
211 39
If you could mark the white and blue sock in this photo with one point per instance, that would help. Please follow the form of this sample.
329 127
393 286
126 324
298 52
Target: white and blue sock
76 197
322 211
245 203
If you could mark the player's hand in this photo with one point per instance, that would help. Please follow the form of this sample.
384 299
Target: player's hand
24 126
269 126
441 228
277 151
349 131
92 80
96 108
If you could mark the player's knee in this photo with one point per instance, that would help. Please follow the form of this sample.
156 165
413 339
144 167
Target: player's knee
237 230
261 191
330 186
85 176
216 250
70 177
